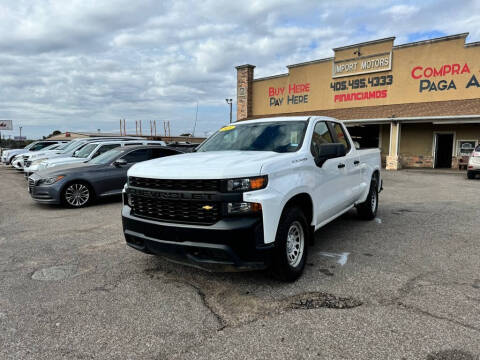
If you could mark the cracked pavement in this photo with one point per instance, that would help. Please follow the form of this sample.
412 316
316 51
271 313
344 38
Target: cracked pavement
406 286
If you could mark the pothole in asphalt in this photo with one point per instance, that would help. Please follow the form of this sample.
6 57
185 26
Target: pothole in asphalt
317 300
452 354
54 273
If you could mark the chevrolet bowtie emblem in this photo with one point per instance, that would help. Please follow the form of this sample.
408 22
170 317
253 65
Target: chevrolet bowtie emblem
207 207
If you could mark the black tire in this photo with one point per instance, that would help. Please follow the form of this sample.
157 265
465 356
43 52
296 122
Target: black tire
470 175
293 226
77 194
368 209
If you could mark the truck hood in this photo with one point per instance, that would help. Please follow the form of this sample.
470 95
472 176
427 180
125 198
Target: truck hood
205 165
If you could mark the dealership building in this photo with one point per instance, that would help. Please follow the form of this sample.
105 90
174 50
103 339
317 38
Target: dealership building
418 102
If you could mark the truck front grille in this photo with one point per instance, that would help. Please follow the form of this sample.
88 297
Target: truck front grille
180 185
187 212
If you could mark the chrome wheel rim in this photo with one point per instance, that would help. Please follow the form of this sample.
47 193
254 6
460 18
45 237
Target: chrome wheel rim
77 195
295 244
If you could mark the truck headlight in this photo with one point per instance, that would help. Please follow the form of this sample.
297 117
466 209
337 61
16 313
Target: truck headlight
247 184
51 180
243 208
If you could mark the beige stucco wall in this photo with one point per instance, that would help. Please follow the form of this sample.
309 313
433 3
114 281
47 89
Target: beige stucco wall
404 88
417 139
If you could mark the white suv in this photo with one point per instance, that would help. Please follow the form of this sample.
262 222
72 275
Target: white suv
473 167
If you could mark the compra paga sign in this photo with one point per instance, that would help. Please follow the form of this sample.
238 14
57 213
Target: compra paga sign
362 65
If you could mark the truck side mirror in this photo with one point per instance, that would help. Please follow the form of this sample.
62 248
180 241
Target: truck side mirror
329 151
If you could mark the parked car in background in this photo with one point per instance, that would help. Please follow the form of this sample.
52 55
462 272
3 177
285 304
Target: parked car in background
32 165
76 185
473 167
252 195
183 146
8 155
91 151
18 160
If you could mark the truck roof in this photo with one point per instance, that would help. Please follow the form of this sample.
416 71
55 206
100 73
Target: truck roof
284 118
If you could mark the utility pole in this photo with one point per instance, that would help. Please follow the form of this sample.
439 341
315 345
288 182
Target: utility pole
195 125
229 102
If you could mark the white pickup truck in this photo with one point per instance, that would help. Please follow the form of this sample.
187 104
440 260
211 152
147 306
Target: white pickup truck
251 195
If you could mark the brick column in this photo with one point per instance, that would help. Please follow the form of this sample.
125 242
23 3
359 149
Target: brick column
393 157
244 91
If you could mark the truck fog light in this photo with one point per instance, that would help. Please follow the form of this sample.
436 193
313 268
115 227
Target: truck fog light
244 207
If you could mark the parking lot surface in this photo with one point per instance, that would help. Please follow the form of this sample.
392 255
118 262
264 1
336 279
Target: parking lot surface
405 286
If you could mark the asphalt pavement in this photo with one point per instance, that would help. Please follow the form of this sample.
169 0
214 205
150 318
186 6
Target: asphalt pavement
404 286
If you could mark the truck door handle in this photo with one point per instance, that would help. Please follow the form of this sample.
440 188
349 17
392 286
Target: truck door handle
356 162
340 166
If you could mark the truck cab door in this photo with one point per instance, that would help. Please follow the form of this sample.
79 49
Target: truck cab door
325 176
350 170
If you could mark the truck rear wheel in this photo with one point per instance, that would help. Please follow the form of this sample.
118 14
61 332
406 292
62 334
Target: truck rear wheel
368 209
291 244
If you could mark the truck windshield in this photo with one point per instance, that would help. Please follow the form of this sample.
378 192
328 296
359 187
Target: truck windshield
281 137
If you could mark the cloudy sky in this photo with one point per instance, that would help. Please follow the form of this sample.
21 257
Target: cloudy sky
84 64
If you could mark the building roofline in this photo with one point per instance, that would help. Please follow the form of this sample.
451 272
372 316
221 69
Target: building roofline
477 43
271 77
310 62
245 66
414 119
392 38
424 42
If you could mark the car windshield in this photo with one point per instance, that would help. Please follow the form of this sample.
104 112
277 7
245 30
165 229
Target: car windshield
29 146
281 137
63 146
72 145
85 151
51 147
107 157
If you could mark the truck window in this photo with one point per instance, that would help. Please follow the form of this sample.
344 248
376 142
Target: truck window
321 135
339 133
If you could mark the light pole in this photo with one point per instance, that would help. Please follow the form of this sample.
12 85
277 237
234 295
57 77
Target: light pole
20 132
229 102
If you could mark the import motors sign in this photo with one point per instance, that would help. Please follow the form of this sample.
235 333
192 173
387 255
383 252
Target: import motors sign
6 125
362 65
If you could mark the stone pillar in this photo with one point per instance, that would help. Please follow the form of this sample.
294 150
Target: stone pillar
393 157
244 91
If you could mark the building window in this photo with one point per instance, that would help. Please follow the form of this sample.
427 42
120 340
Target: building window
465 147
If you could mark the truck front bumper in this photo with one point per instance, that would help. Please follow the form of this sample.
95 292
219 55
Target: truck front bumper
232 244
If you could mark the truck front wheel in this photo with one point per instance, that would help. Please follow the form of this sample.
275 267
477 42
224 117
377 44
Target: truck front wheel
291 244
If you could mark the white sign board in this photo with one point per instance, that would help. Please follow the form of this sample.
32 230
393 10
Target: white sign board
6 125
